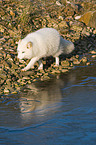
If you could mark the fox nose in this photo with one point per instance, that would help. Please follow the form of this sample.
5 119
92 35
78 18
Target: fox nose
18 56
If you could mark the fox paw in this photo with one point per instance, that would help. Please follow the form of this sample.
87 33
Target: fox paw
23 69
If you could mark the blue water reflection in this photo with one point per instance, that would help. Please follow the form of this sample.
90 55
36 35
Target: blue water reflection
58 112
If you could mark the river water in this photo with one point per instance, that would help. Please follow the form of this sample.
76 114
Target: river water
61 111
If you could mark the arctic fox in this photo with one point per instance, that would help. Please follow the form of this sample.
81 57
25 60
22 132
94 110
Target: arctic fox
42 43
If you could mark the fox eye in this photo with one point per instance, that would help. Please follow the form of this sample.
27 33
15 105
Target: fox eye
23 51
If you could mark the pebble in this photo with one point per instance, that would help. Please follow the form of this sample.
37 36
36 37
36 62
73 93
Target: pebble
93 56
93 52
64 70
6 91
84 60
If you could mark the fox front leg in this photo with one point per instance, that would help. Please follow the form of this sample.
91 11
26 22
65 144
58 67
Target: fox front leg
57 61
31 63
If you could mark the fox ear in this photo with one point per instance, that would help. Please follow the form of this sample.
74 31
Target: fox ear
29 45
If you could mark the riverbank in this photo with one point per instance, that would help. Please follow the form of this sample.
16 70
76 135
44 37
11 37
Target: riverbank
18 18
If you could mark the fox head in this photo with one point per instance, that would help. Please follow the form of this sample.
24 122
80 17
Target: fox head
24 49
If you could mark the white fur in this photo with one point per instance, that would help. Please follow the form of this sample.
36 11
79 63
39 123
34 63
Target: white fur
42 43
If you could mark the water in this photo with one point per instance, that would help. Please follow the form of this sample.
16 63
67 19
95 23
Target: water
61 111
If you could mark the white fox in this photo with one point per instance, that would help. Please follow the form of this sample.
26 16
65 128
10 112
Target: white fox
42 43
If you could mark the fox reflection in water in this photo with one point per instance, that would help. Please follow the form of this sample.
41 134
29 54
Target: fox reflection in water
40 97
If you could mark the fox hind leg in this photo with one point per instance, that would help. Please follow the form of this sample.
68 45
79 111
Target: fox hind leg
57 61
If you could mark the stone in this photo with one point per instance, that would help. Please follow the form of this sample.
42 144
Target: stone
89 18
6 91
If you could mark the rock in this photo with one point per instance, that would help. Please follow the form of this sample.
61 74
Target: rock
93 52
76 26
69 10
76 61
64 70
87 5
93 56
64 2
2 28
6 91
84 60
12 13
65 63
58 3
89 18
62 24
13 33
14 92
